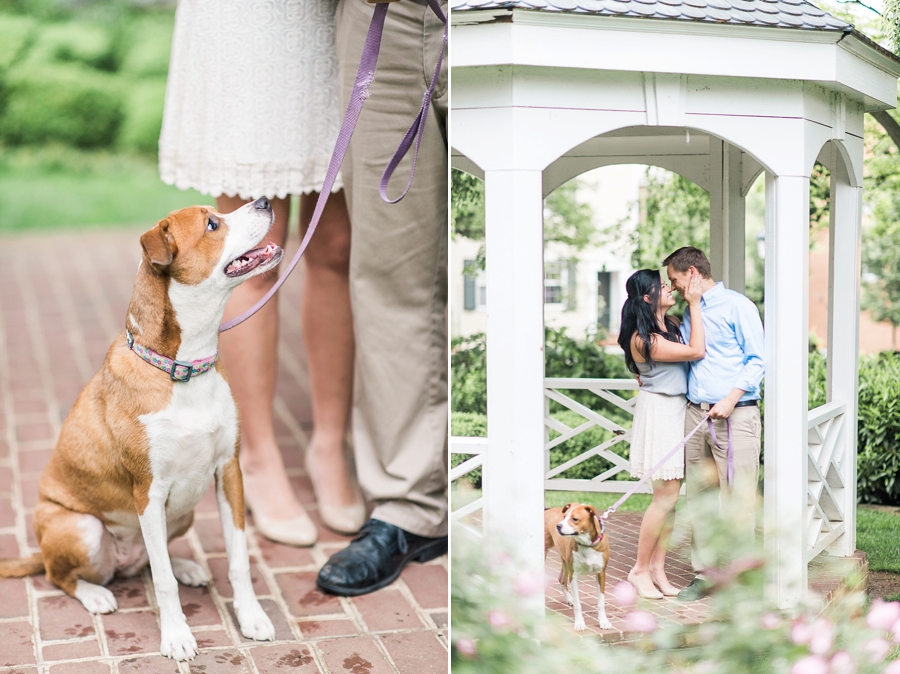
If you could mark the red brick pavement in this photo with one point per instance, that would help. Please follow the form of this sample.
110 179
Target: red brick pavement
63 298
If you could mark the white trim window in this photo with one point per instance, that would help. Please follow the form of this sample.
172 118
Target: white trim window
559 284
474 287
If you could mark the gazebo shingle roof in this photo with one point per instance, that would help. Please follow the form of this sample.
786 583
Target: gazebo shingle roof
772 13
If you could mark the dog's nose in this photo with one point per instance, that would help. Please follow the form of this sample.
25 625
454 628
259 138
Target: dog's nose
559 527
262 204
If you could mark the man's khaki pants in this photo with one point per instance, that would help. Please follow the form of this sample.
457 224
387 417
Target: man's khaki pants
398 270
706 468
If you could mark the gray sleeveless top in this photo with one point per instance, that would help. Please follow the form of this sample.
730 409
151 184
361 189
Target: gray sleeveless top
667 378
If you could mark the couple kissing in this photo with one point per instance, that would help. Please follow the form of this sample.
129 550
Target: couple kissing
711 363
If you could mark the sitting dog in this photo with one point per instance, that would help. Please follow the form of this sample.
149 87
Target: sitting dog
577 534
153 427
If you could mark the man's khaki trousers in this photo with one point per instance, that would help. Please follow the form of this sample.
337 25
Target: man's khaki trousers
706 468
398 270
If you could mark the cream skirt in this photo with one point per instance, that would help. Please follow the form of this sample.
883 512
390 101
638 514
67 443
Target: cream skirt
658 427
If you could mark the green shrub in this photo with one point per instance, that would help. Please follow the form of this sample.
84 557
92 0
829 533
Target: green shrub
89 44
145 46
67 103
878 460
468 381
564 356
15 34
143 116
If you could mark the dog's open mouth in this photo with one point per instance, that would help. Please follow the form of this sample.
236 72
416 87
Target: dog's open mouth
253 259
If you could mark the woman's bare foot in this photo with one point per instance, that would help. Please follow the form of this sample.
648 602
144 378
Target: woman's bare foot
334 482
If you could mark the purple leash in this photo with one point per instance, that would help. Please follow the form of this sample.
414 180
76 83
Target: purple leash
630 492
365 75
712 433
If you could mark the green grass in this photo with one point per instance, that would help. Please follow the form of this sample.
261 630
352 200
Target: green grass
601 501
878 535
57 187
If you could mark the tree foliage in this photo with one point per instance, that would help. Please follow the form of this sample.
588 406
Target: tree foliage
881 243
675 214
567 220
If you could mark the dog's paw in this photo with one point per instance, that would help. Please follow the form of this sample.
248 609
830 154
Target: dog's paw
254 622
95 598
579 624
178 642
189 573
604 623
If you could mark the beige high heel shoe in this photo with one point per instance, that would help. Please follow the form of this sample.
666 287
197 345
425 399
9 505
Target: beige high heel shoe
656 594
346 519
670 591
299 531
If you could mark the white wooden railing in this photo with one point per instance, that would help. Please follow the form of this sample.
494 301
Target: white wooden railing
826 453
825 487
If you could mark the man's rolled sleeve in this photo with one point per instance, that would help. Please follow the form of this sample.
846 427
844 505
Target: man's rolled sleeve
751 337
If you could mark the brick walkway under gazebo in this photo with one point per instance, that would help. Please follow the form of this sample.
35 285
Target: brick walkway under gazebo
62 300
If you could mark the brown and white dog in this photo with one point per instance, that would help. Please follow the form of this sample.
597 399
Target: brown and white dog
139 448
577 535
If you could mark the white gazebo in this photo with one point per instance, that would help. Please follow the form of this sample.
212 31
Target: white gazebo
717 91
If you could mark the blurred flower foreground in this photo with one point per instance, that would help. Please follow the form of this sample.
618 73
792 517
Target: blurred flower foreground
497 627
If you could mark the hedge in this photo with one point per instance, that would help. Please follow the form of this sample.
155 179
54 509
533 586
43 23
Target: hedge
65 103
84 84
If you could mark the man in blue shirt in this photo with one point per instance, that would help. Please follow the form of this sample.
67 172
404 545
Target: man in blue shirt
725 383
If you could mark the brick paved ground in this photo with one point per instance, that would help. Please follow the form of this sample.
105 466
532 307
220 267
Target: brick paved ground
62 300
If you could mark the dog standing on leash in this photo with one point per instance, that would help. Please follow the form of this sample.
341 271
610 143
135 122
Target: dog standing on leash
578 536
153 427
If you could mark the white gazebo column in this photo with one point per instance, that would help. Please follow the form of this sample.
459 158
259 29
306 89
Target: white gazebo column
787 397
843 338
726 215
514 465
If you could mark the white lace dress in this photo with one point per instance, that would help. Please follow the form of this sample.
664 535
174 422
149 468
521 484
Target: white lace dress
253 99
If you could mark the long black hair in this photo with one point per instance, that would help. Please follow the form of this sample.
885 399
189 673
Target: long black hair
640 317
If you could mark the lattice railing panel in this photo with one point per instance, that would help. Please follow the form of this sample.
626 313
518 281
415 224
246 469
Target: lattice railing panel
825 487
607 392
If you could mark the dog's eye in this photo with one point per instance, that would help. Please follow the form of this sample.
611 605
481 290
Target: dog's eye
212 225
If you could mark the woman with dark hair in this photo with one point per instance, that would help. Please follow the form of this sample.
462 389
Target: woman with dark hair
654 351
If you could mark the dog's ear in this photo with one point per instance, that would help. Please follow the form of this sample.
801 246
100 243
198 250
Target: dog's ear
159 246
566 507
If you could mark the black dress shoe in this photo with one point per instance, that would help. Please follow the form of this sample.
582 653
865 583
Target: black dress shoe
375 559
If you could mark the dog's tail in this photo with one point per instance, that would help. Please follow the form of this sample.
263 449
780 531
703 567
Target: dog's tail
19 568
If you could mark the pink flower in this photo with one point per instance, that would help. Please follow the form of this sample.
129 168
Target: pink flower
801 632
821 636
498 618
640 621
624 594
878 647
527 584
770 621
811 664
466 646
893 668
883 615
842 663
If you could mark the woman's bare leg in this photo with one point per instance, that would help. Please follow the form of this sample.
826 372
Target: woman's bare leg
656 523
328 335
250 355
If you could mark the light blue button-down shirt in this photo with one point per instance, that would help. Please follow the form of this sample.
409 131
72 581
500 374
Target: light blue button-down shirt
735 347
